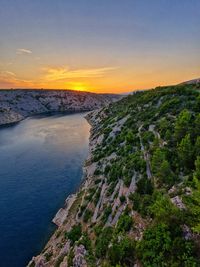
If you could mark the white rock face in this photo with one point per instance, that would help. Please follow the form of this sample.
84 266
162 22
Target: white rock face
79 256
177 201
61 215
16 105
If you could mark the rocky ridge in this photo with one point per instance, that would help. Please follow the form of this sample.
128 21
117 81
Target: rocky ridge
16 104
139 202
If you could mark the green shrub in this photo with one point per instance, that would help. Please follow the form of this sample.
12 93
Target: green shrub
127 180
103 241
87 215
48 255
122 198
75 233
144 186
106 213
122 252
124 223
70 257
97 172
160 244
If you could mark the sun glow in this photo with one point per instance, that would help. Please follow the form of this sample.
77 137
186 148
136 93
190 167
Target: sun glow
79 87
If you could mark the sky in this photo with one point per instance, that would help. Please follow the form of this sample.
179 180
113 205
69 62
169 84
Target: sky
105 46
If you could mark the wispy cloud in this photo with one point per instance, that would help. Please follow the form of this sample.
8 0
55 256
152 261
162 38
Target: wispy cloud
21 51
10 79
58 77
61 73
7 73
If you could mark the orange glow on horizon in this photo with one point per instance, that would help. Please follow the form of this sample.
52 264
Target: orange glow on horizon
95 80
79 87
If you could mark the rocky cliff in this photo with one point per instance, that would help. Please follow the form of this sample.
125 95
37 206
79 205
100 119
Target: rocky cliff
16 105
139 202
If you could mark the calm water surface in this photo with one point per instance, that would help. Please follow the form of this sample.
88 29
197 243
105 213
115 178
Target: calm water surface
40 165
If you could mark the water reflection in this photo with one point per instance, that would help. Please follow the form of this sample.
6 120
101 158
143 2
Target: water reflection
40 164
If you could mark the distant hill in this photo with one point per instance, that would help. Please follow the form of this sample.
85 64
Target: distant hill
17 104
194 81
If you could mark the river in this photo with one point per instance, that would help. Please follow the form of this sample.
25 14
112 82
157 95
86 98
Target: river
40 165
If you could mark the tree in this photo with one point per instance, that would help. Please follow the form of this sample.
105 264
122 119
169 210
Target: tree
164 125
196 124
144 186
124 223
165 174
122 252
162 208
165 246
185 152
197 168
155 246
130 137
156 162
197 146
136 199
87 215
75 233
182 124
103 241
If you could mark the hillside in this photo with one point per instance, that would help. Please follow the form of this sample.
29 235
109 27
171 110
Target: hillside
194 81
16 105
140 202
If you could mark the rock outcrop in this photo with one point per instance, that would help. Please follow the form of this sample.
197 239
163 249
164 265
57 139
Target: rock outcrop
15 105
139 202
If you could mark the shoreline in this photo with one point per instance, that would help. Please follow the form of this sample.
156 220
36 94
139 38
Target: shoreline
71 198
62 214
43 115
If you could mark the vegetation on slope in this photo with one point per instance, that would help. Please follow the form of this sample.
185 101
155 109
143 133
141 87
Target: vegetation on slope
142 204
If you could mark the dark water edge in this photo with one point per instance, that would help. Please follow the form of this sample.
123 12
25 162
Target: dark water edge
41 162
10 124
44 115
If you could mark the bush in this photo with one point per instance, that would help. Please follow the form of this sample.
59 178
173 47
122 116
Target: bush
144 186
103 241
81 210
141 203
135 197
122 198
162 244
162 208
127 180
124 223
97 172
70 257
107 212
155 245
85 241
122 252
75 233
87 215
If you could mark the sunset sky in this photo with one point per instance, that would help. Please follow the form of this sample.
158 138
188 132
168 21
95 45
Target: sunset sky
98 45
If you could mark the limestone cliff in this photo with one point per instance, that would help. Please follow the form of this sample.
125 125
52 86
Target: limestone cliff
138 204
16 105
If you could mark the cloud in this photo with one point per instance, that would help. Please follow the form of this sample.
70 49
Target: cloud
9 79
61 73
21 51
8 73
54 77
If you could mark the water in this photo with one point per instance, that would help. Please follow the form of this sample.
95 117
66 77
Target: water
40 165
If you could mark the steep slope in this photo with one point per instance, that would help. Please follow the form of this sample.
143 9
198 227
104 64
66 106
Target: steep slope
194 81
15 105
139 204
